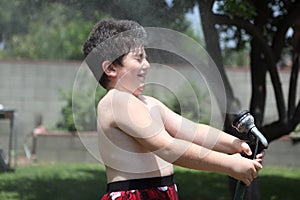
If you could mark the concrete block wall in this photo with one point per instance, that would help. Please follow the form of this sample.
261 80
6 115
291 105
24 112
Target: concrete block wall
283 153
32 88
70 149
240 79
64 147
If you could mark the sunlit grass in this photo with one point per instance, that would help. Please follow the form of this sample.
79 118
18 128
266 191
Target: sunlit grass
51 181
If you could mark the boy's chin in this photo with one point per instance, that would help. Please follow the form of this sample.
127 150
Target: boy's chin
139 90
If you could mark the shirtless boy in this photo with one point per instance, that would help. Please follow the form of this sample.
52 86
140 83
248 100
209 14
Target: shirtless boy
140 139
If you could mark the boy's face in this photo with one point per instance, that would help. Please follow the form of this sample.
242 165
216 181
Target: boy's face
132 74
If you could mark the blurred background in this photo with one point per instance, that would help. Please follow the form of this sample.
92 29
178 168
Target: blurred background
254 44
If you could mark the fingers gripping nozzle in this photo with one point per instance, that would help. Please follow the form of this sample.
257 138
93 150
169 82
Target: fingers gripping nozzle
244 123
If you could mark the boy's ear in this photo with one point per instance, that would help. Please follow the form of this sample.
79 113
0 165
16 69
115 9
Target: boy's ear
109 69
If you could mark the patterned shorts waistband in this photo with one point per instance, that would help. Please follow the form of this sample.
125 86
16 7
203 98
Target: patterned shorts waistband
139 184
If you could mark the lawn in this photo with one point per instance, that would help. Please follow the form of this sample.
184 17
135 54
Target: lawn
87 181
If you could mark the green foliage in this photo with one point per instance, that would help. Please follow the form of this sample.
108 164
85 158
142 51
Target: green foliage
149 13
67 121
236 58
241 8
189 101
297 129
233 39
87 121
54 29
58 33
192 103
193 106
13 18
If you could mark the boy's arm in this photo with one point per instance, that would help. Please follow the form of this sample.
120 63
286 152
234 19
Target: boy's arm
201 134
134 118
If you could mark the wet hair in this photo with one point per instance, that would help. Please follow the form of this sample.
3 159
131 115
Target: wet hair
111 40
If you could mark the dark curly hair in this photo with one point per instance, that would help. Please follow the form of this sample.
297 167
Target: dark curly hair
110 40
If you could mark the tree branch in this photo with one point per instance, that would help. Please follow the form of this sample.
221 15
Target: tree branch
279 38
213 48
271 64
296 117
293 81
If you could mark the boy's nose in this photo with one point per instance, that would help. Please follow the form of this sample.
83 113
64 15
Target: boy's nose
146 64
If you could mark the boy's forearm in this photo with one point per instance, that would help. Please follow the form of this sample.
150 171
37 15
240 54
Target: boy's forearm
229 144
193 156
217 140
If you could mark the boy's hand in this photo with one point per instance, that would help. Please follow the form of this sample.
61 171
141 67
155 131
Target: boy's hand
245 169
246 148
259 157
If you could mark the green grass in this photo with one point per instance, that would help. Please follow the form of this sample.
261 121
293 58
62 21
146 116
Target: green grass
87 181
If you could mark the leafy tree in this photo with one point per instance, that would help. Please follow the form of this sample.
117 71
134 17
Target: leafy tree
194 106
11 19
57 34
265 23
187 107
86 122
56 29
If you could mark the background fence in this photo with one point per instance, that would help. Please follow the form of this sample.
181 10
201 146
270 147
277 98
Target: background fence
32 89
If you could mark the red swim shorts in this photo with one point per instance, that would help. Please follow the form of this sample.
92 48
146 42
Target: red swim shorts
158 188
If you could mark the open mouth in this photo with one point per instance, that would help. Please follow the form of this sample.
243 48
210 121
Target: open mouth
143 76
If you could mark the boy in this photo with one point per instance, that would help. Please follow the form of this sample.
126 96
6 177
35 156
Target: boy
139 137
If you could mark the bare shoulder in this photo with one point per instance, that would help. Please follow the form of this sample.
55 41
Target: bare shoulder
108 103
113 98
118 102
152 100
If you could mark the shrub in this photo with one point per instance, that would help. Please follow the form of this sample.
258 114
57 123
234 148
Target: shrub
189 101
188 106
191 108
87 120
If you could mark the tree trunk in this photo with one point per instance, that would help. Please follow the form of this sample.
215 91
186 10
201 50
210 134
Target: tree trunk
258 83
213 47
294 72
277 129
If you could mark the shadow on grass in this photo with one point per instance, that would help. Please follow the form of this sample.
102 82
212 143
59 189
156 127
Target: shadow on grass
90 184
278 187
56 187
201 185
